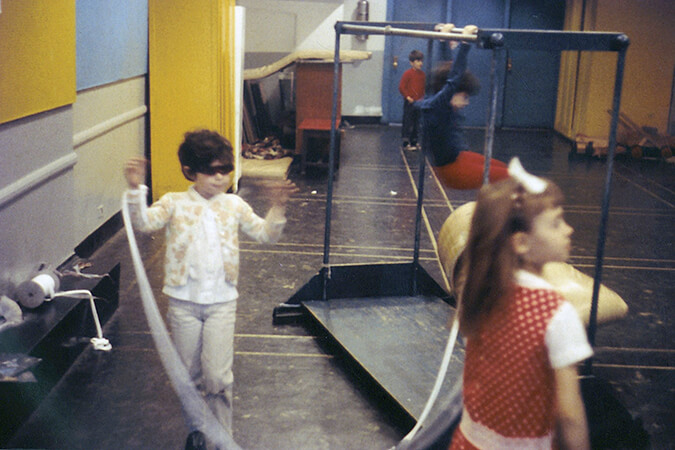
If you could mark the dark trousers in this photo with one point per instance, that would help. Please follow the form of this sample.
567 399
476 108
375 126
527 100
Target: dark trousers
411 117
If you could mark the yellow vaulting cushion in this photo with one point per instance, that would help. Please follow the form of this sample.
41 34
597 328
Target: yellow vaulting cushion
452 238
574 285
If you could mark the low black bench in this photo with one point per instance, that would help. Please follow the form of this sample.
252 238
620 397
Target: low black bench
56 332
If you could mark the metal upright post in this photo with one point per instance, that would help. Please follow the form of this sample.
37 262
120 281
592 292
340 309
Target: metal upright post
331 161
623 42
418 221
492 115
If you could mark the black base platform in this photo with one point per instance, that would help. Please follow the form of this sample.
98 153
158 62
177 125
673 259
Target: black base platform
56 332
392 320
398 341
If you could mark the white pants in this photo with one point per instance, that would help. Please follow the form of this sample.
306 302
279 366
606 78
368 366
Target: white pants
204 338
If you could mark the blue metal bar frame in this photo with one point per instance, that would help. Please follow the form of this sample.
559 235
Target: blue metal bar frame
495 39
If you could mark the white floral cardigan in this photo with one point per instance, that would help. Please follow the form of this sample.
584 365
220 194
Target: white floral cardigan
179 212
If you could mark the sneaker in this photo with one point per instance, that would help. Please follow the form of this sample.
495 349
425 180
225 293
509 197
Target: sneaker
411 148
195 441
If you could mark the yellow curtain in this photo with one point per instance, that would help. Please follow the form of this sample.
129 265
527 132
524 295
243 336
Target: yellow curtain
585 92
191 72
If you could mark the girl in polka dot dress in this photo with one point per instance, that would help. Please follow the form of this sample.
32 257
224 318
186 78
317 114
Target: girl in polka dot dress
523 340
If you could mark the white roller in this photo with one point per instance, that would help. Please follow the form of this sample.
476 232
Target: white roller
41 288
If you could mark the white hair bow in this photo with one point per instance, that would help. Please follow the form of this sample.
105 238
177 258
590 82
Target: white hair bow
531 183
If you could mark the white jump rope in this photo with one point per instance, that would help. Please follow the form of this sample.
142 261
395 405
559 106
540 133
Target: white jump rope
531 184
442 371
43 288
193 403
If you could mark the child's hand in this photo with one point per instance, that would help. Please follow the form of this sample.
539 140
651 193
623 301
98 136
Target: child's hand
448 28
444 27
470 30
280 191
134 171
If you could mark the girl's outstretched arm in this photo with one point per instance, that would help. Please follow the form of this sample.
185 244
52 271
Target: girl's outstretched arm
571 415
279 193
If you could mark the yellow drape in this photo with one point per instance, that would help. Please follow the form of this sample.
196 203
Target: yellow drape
191 72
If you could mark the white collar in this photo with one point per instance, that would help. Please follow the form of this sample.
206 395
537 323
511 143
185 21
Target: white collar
194 195
531 280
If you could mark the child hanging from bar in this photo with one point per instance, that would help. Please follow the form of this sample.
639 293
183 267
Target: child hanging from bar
523 340
443 139
201 264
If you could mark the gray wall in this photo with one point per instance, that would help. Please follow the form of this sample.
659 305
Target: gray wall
36 208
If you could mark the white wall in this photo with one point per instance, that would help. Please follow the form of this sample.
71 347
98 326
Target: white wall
278 27
109 127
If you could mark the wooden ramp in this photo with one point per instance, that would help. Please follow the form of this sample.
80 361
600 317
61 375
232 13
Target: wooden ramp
399 341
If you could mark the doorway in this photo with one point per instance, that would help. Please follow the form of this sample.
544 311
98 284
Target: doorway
528 80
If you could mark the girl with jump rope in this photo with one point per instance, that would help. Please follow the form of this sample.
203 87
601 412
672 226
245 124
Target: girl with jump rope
523 340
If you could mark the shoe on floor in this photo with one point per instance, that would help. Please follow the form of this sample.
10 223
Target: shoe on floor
195 441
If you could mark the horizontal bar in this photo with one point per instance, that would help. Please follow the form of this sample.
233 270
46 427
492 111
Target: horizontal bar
547 40
396 24
388 30
551 40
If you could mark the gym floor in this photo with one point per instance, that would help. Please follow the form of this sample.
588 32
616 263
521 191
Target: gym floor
292 389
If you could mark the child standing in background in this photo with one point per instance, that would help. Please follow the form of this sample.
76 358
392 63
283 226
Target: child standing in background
523 340
202 261
412 87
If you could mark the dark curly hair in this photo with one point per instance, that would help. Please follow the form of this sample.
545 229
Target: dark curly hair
468 83
202 147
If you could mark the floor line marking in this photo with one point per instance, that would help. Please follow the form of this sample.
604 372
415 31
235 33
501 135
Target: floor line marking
645 190
606 266
343 246
273 336
636 349
350 255
629 366
426 221
618 258
291 355
659 185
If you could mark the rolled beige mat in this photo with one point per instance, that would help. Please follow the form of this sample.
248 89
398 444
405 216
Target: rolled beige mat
574 285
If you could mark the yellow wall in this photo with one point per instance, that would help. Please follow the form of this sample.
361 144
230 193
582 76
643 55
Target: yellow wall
191 79
567 84
37 56
648 74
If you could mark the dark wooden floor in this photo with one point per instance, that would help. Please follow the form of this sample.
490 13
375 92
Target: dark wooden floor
291 390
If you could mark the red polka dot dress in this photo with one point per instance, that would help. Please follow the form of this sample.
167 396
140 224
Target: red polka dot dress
509 398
